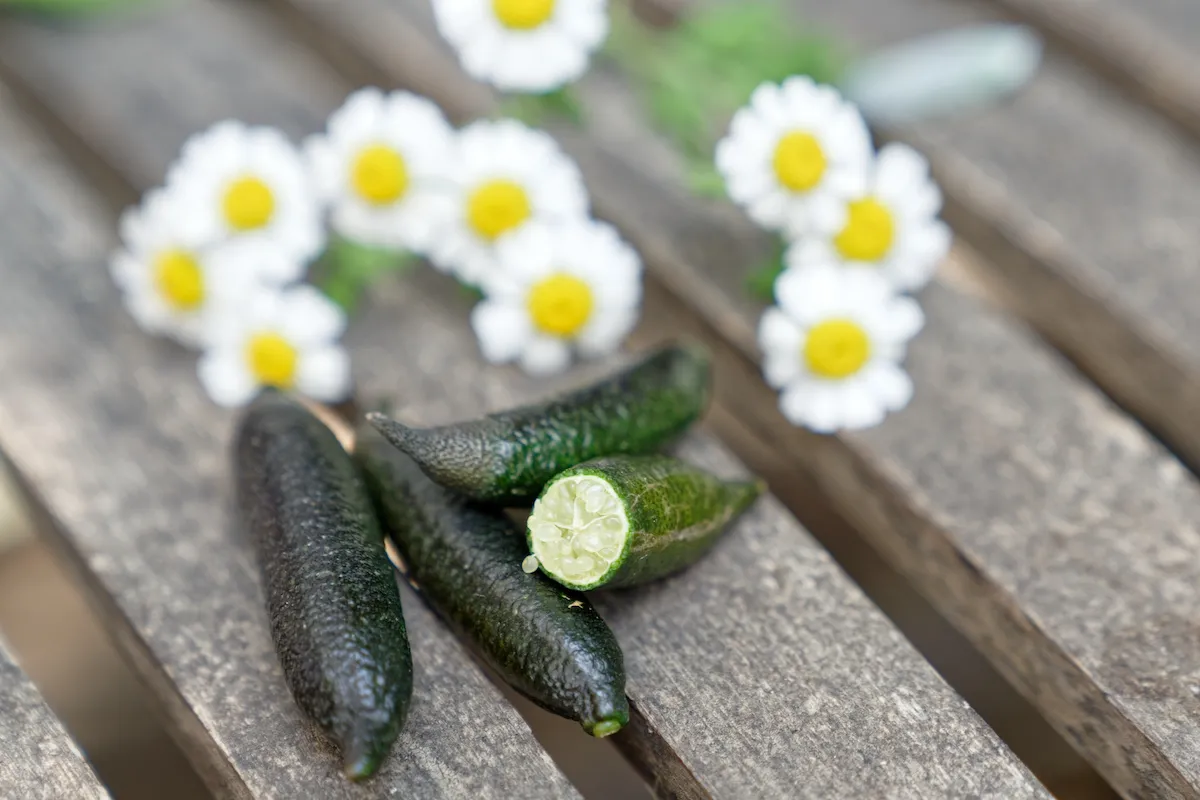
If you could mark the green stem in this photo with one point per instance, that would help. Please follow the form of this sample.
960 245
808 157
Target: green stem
760 283
348 269
536 110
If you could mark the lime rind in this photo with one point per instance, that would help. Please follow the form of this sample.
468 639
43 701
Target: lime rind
578 529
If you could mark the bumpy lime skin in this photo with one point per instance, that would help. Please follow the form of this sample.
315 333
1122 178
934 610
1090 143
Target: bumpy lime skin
676 514
507 458
332 597
547 642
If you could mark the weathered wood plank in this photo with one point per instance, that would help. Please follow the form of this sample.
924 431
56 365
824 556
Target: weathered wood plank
976 372
1151 48
762 667
1000 418
40 760
1092 241
806 689
128 460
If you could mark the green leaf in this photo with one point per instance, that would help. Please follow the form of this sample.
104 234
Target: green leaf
67 8
760 283
473 294
693 77
536 110
341 291
705 181
347 269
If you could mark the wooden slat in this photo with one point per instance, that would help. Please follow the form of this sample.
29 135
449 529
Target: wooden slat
1149 48
762 672
1039 519
39 761
1093 240
128 460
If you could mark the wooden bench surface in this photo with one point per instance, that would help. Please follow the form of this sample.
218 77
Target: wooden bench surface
1039 518
114 437
841 701
1082 202
1149 48
39 759
1013 419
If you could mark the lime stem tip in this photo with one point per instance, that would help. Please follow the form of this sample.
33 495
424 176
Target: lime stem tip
606 727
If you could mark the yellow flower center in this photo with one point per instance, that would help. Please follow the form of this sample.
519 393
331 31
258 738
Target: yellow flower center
869 232
379 175
249 203
272 360
523 15
837 348
496 207
179 279
560 305
799 161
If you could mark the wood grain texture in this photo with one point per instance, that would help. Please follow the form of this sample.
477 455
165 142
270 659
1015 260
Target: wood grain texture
1091 242
969 366
1150 49
127 459
40 761
762 672
1005 427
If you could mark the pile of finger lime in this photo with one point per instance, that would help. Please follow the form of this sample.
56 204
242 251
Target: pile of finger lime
607 511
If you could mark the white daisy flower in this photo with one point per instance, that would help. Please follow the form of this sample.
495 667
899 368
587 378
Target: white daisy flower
504 177
379 166
171 282
523 45
563 288
794 156
250 186
833 346
892 227
285 338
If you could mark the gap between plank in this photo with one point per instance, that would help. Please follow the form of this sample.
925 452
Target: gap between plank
651 757
1117 45
668 277
1029 269
172 709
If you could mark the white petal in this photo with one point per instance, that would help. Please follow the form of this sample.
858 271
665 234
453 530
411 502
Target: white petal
324 374
503 330
808 252
227 378
811 404
890 384
606 331
774 211
780 369
825 409
585 21
544 356
529 253
860 408
308 317
237 264
811 294
778 333
898 321
828 213
899 169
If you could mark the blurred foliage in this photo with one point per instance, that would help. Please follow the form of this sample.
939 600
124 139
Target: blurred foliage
536 110
64 9
692 77
760 283
695 75
346 270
